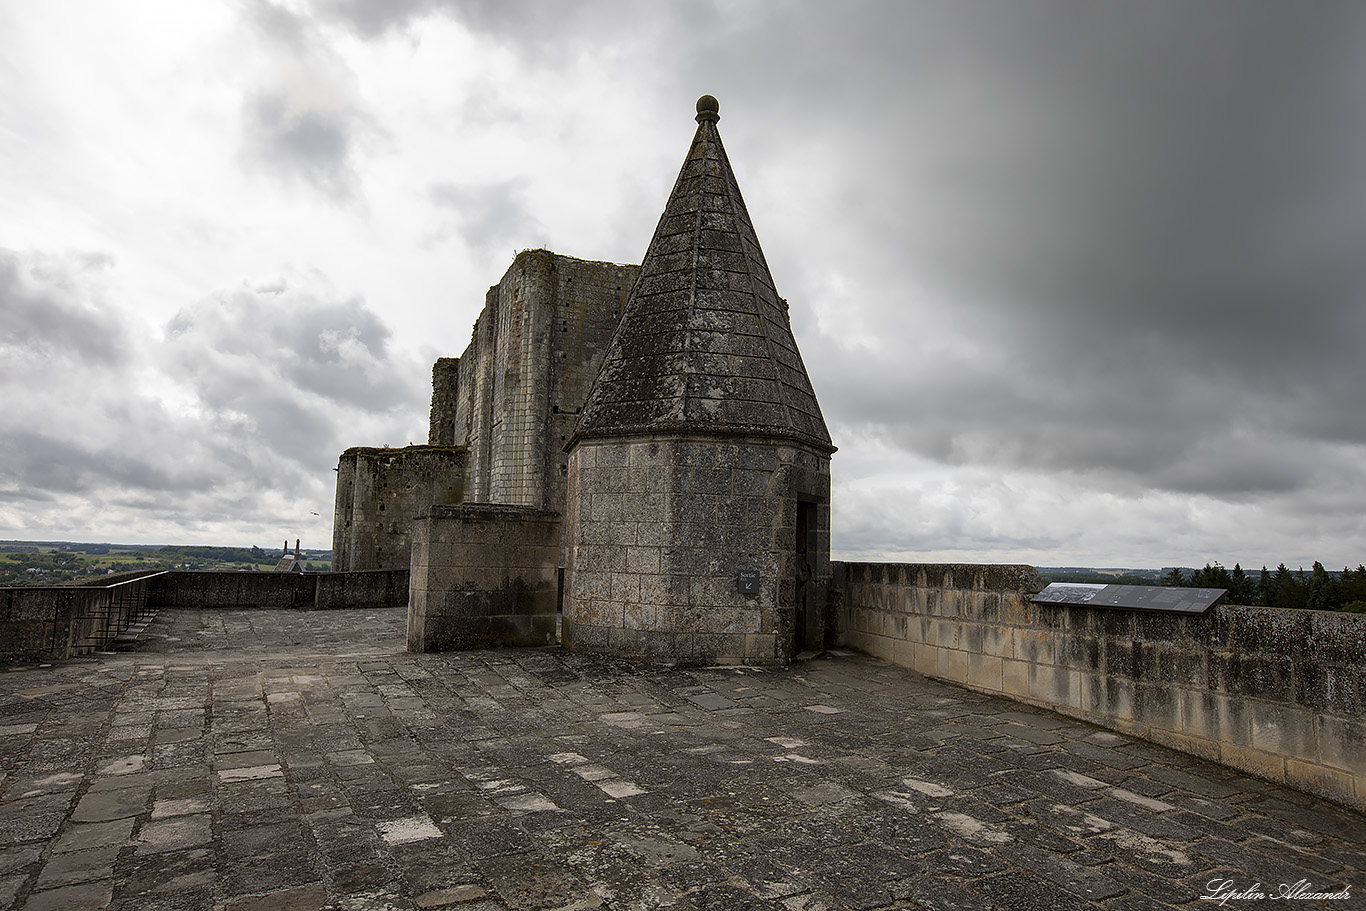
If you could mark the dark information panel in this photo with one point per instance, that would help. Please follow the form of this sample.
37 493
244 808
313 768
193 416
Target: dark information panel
1132 597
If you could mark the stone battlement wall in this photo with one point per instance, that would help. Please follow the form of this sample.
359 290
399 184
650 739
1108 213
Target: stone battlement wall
298 591
52 622
55 622
1272 692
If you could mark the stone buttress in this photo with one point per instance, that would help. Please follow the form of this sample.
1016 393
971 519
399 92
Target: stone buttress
697 525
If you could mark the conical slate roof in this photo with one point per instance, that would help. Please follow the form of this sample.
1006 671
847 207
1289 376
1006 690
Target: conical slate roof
705 344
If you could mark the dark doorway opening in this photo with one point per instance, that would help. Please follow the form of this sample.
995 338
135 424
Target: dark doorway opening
806 521
559 604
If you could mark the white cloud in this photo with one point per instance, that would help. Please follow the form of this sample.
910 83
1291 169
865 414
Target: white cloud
226 426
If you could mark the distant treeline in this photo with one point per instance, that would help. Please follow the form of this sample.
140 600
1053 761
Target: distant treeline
1099 576
189 553
55 562
226 554
181 553
1317 589
185 553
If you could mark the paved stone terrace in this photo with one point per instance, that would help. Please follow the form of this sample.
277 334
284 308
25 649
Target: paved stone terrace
286 761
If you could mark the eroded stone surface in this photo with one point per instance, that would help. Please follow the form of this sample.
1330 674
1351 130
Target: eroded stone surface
371 778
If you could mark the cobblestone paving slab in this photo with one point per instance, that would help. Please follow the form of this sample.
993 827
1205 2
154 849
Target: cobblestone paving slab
289 761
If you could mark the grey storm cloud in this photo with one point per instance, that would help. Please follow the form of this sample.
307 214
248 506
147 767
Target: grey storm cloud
74 421
489 217
1125 243
1109 250
374 19
262 376
296 141
306 123
247 344
545 24
47 314
1116 242
48 462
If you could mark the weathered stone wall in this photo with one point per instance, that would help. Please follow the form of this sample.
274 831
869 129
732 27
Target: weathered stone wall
521 382
235 589
349 591
445 402
54 622
535 350
483 575
379 492
658 529
35 621
474 410
508 404
589 301
1278 693
276 591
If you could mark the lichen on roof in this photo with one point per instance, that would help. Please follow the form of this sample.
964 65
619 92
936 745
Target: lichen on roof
705 343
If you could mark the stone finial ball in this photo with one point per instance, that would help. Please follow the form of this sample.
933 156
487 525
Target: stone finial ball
707 106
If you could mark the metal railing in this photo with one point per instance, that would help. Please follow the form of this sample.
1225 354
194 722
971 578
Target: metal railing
111 611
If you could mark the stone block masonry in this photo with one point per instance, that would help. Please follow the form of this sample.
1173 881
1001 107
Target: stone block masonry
53 622
484 575
36 621
660 529
701 453
1277 693
380 492
501 412
280 591
515 393
266 761
445 401
230 589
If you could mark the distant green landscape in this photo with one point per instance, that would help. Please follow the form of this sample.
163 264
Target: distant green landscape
1318 589
55 562
1101 576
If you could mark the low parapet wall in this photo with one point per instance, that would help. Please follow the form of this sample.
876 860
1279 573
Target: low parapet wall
52 622
1269 691
35 621
299 591
379 588
215 589
483 575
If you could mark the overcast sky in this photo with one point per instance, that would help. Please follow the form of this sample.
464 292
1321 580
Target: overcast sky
1076 282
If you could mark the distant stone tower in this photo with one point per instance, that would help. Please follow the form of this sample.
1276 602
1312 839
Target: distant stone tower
697 527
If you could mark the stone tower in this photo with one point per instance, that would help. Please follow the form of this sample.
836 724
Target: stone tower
697 526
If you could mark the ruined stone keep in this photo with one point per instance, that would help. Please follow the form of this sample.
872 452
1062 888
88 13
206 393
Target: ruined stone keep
655 422
380 492
501 412
513 397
